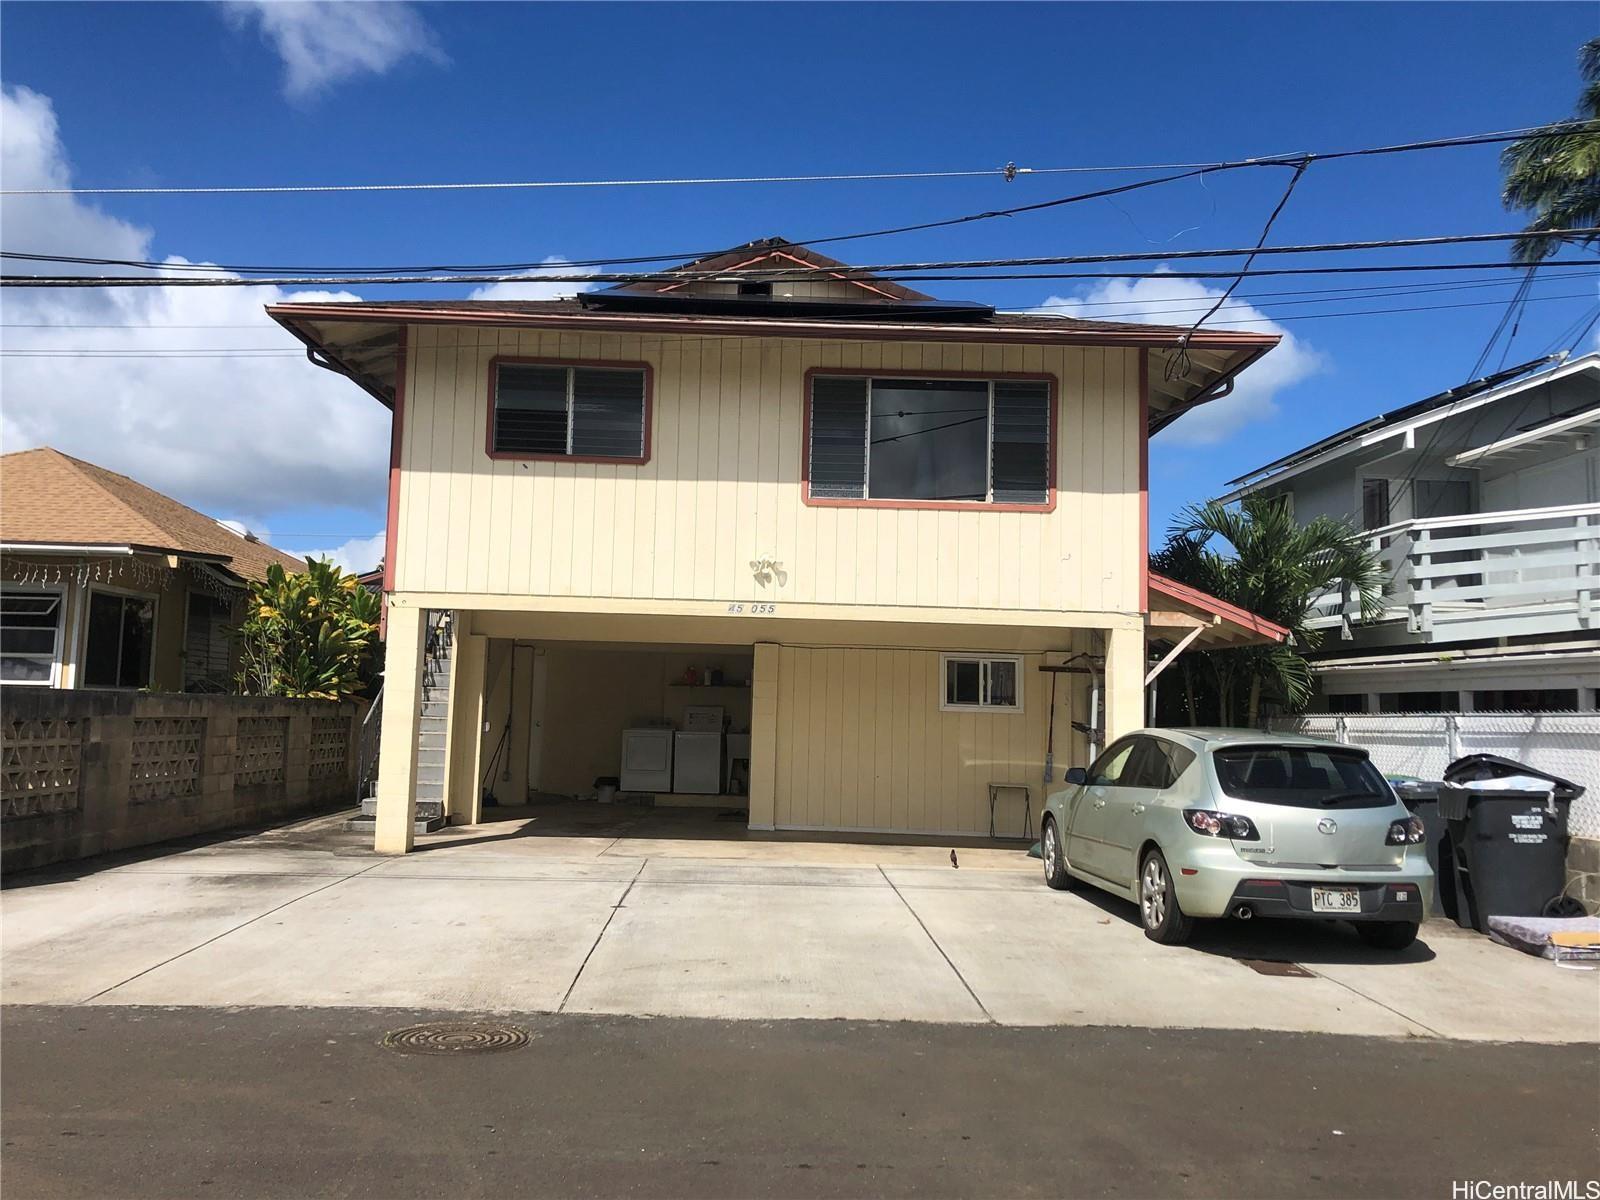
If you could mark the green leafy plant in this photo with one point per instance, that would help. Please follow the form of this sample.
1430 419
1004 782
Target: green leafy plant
311 635
1255 556
1555 173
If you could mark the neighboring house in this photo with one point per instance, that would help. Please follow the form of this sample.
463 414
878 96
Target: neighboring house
1484 504
868 516
105 583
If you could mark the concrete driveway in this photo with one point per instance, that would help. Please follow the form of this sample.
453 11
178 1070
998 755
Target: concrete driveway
566 912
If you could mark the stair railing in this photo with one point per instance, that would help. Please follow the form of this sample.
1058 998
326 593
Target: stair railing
367 746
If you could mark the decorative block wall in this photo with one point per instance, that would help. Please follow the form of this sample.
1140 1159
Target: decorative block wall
86 772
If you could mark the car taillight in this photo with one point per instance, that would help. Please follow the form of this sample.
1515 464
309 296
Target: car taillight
1407 832
1220 824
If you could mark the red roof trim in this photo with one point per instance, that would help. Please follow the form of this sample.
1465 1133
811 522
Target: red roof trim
1220 608
838 330
749 262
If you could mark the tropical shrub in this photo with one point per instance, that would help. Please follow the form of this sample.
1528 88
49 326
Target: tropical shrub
1254 555
312 635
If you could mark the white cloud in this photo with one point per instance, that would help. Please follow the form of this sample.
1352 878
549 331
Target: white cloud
1167 300
358 554
227 434
322 42
533 290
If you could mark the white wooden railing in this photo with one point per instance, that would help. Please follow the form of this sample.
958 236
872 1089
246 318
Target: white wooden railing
1527 570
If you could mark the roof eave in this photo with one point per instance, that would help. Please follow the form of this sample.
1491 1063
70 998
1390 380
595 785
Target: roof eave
1232 613
1155 336
126 549
1380 428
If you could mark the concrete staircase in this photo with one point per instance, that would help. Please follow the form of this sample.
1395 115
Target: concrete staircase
433 721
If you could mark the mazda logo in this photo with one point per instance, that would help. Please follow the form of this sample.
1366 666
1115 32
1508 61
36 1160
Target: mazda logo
1327 825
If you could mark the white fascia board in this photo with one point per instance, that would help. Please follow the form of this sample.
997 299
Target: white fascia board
1408 428
1589 362
1589 416
63 548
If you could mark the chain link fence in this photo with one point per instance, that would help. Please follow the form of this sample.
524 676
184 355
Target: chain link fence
1423 744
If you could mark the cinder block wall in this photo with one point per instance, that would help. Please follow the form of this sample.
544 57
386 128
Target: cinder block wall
86 772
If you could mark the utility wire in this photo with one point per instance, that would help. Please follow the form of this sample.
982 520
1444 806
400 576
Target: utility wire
272 352
1280 160
1178 365
890 272
1008 173
1332 295
776 274
1409 480
1262 320
1521 308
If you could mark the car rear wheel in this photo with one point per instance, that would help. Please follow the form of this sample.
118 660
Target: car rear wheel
1055 858
1387 935
1164 921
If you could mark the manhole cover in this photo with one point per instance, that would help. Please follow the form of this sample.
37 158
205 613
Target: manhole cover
456 1037
1267 966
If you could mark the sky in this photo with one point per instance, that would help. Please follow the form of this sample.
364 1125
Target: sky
199 94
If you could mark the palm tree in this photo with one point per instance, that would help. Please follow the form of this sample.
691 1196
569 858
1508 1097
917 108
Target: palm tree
1555 173
1256 556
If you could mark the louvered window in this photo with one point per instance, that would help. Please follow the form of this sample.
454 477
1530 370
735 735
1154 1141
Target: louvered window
838 438
1021 442
930 440
560 411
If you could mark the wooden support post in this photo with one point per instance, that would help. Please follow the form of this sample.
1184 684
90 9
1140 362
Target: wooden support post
397 751
764 737
463 794
1124 682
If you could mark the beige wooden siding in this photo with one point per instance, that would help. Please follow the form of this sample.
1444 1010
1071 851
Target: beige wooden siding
722 486
862 743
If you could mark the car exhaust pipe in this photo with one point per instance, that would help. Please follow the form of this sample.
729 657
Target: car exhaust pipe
1244 912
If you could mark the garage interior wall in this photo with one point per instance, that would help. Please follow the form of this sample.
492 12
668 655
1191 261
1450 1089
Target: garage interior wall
593 693
864 744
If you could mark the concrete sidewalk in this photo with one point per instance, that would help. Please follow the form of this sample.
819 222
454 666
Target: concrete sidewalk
675 921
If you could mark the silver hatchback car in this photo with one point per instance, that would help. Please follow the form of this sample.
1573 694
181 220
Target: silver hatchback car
1191 823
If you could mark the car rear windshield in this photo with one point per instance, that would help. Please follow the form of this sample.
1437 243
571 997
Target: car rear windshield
1301 777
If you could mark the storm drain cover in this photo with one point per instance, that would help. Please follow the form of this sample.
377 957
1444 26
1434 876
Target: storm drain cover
456 1037
1268 966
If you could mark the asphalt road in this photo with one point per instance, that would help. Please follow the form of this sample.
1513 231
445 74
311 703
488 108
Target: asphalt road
131 1102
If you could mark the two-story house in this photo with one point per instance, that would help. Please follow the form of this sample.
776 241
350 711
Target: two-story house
856 520
1483 504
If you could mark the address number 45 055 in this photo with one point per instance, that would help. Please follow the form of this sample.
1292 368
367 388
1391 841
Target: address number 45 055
753 610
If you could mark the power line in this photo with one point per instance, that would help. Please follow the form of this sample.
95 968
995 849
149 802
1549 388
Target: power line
1323 295
1298 161
1178 365
1330 295
1409 480
880 272
1166 313
268 352
777 274
1007 173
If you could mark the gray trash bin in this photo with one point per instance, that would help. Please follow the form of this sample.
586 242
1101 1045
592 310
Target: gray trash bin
1421 796
1509 843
